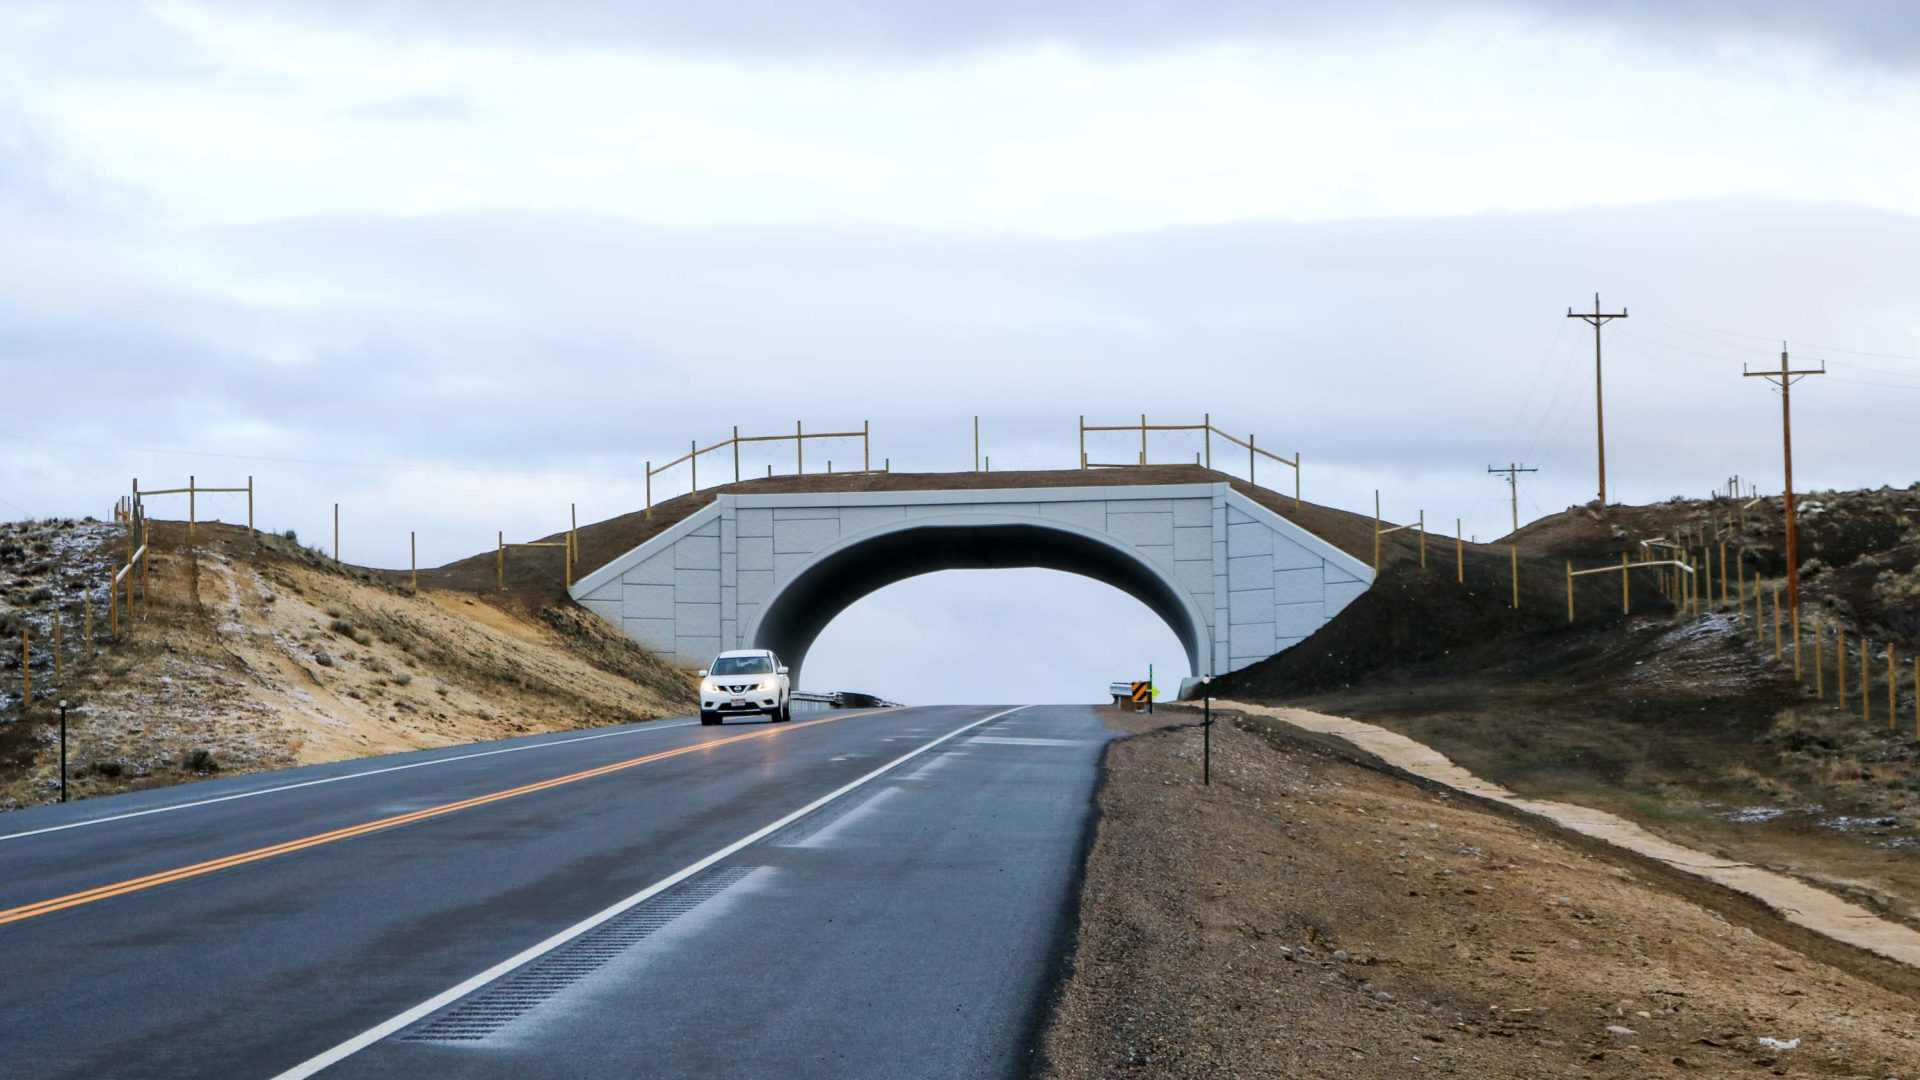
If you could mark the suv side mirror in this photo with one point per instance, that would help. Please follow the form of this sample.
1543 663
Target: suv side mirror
703 673
781 670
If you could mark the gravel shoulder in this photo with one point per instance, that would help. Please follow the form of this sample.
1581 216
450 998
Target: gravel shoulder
1306 916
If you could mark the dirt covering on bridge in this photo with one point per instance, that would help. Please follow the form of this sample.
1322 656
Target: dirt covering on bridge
1307 917
538 573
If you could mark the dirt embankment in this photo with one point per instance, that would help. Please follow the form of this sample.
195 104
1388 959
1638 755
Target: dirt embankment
1305 917
1689 726
256 654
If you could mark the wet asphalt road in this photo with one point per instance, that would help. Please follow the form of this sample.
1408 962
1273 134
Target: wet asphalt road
657 900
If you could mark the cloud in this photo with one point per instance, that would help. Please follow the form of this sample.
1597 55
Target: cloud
1399 355
413 109
1885 32
101 39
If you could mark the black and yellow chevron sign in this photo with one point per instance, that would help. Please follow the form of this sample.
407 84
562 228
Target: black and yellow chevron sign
1143 691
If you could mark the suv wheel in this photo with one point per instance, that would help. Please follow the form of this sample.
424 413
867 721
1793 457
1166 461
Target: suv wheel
709 718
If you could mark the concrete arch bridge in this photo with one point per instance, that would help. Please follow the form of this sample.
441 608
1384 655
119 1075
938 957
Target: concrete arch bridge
1234 579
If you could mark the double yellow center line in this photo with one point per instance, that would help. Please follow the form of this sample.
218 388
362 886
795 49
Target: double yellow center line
132 885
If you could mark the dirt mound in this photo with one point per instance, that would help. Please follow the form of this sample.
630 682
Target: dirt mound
250 654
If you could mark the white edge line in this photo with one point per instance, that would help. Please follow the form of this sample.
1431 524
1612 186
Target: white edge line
636 730
446 997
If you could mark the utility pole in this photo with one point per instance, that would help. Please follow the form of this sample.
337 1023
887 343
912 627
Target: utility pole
1784 379
1513 471
1599 318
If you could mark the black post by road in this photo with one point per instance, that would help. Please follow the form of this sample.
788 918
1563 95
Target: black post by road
1206 743
63 751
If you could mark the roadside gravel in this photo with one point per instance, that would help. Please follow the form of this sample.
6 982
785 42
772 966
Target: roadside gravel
1308 917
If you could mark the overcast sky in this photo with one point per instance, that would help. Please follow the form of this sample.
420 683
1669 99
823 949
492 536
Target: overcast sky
458 264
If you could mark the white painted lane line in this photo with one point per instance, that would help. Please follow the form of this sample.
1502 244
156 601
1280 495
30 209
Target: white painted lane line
344 776
1022 740
446 997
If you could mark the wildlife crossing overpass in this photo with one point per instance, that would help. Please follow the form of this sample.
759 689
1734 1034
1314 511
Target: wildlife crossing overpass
1235 581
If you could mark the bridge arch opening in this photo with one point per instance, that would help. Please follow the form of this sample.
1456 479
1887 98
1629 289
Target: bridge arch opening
792 619
980 637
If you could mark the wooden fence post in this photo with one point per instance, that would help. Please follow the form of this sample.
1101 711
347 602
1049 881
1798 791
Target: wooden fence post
1569 592
500 562
1206 437
693 461
1778 652
866 446
1795 614
250 532
1723 573
413 558
1626 585
1819 663
736 453
800 447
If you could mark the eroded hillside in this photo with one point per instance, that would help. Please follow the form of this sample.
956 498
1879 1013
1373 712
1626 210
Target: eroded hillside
254 653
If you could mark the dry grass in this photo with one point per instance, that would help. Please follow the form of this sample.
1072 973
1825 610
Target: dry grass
246 658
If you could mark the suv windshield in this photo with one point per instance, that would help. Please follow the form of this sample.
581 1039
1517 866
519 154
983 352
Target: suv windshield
742 665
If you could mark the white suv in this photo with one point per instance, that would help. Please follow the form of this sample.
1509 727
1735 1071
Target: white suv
745 681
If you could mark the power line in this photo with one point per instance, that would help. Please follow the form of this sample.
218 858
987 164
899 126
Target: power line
1763 337
1538 373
